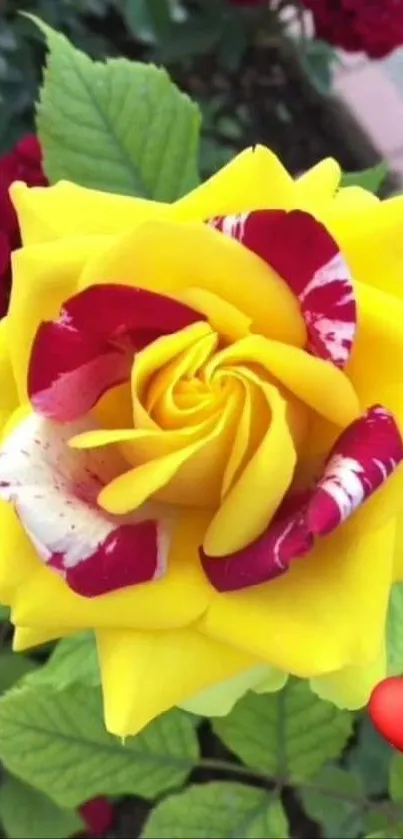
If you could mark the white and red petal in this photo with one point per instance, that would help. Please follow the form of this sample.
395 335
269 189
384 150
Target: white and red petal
305 255
54 490
362 459
264 559
364 456
90 348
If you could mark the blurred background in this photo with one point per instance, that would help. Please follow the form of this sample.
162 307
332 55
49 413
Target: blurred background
310 79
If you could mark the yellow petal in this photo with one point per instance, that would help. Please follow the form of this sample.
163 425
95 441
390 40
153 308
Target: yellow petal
318 383
369 234
43 277
66 209
160 669
8 391
26 637
327 612
190 476
173 601
149 361
18 561
316 187
254 180
251 503
168 257
222 316
351 687
219 700
380 337
398 556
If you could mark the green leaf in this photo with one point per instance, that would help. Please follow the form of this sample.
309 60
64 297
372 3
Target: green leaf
118 126
13 666
73 661
325 802
149 20
4 613
26 812
396 778
57 741
289 734
384 823
370 179
218 809
395 631
370 758
318 59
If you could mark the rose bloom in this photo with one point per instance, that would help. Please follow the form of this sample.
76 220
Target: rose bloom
371 26
23 163
201 405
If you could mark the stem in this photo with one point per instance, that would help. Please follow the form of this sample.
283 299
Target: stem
234 768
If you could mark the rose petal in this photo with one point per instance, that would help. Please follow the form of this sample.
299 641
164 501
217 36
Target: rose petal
364 456
54 490
262 560
90 348
97 815
301 250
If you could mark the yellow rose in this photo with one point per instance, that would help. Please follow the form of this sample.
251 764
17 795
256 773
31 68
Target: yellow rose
196 399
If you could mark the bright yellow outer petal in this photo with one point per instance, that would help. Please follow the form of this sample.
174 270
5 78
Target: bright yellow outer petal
66 209
327 612
218 700
160 669
380 331
168 257
318 383
369 234
171 602
254 180
316 187
44 276
398 557
8 391
351 687
247 509
26 637
17 557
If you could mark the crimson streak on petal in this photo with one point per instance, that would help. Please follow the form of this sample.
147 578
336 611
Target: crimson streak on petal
303 253
54 490
365 454
90 347
363 457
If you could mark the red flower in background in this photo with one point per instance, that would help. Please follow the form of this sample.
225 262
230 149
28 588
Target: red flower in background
97 815
23 163
371 26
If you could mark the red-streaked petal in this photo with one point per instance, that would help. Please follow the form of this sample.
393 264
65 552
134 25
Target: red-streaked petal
90 347
262 560
98 814
54 490
363 457
301 250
